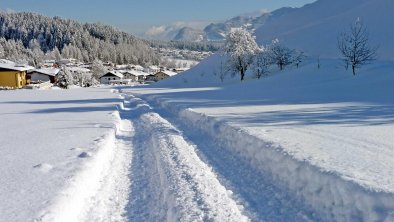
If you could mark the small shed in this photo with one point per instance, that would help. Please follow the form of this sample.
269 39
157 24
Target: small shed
43 75
111 77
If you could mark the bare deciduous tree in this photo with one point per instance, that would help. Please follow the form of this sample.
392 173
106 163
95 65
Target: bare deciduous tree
280 54
261 64
355 48
299 57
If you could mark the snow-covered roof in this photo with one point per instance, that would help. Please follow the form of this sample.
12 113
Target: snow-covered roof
46 71
115 73
6 61
136 73
16 67
78 69
138 67
153 67
169 73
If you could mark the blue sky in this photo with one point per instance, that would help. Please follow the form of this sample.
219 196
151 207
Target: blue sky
137 16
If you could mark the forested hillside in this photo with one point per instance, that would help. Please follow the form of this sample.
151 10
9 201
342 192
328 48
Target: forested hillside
33 37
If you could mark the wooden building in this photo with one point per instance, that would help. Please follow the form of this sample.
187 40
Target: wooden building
13 75
163 75
43 75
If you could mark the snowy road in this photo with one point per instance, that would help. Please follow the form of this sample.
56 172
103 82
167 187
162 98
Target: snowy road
165 170
176 173
169 182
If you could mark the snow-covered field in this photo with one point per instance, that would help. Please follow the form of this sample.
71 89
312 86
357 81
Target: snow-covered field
49 143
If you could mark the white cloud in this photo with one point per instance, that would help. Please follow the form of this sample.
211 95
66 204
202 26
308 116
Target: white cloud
164 30
155 30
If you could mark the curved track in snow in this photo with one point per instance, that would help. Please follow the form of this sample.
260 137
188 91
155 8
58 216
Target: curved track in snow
169 182
180 174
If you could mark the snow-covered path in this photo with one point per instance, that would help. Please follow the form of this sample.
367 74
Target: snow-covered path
180 174
169 182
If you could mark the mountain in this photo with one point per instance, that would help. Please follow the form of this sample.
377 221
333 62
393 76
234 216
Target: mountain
189 34
218 31
214 32
83 41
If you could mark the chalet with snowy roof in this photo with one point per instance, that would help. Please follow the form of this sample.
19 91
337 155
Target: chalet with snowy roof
135 75
43 75
111 77
137 67
13 75
49 64
152 69
163 75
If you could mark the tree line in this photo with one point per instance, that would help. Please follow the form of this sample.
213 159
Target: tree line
34 37
243 53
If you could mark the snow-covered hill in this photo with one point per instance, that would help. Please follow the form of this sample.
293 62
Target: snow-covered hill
314 28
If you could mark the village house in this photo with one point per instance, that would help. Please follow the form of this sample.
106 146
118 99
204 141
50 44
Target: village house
13 75
134 75
111 77
49 64
163 75
43 75
150 78
137 68
152 69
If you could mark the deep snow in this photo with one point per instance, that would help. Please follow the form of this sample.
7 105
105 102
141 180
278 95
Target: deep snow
44 135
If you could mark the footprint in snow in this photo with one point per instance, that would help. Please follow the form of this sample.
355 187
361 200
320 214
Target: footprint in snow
85 155
76 149
43 167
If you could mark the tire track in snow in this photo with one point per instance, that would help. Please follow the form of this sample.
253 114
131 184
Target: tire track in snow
110 202
263 199
169 181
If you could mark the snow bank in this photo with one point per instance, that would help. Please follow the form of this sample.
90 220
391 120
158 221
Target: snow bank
70 204
326 192
54 144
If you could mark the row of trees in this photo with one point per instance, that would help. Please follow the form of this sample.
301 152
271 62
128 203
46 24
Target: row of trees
243 52
66 78
43 37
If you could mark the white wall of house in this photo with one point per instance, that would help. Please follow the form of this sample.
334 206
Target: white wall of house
107 79
39 77
129 76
